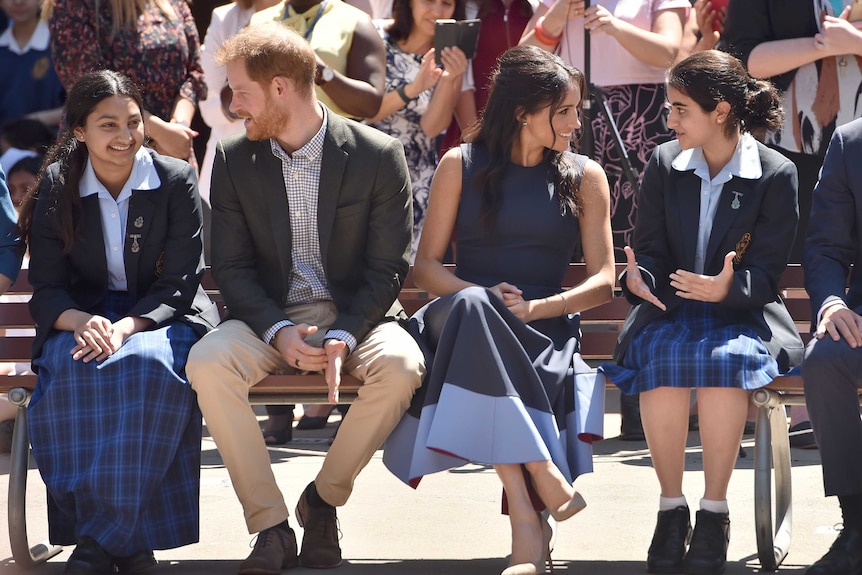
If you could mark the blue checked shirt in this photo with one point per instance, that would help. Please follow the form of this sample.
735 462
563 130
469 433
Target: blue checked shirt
307 281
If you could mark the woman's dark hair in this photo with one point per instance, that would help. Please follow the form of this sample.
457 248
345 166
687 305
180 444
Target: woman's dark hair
27 134
30 164
402 18
71 155
527 80
710 77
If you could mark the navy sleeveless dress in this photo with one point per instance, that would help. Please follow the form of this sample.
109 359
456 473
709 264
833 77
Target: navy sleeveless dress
497 390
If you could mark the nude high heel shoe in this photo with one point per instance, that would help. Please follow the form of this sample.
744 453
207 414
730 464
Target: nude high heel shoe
574 505
525 569
549 535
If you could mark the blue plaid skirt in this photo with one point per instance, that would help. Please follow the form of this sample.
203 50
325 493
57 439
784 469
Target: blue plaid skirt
118 442
693 348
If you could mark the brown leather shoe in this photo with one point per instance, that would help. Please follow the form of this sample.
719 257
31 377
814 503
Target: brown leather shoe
274 550
320 548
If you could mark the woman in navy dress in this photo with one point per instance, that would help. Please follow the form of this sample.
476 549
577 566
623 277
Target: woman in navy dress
716 217
116 258
506 385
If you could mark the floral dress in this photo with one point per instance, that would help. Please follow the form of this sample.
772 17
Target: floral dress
162 57
421 151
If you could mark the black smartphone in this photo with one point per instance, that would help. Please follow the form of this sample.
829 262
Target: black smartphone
461 33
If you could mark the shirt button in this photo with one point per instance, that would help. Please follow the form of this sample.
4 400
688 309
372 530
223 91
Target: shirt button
116 248
114 215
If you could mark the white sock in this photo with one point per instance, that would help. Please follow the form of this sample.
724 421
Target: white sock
668 503
715 506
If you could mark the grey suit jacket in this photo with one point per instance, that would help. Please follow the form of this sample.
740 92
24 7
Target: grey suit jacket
761 230
365 222
834 239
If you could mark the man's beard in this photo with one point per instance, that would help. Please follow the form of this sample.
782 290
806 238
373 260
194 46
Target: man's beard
270 123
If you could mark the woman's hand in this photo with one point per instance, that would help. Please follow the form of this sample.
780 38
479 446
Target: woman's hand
710 23
564 10
94 338
507 293
454 64
839 36
428 73
598 20
635 281
704 288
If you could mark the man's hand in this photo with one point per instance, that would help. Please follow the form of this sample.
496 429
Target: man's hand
336 353
635 281
699 287
840 322
290 342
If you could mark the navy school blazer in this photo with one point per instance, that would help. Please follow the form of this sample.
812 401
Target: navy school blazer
163 275
760 229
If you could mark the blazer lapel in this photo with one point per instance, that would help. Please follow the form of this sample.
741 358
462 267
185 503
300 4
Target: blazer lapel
267 177
141 209
736 197
331 175
687 191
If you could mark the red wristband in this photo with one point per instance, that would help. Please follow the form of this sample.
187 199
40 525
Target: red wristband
542 36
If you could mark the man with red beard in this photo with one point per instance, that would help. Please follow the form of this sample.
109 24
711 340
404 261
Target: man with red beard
311 231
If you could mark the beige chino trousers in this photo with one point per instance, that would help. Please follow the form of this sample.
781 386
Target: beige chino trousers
229 360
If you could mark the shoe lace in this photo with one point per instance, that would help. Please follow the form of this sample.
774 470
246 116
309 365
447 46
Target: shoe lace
707 533
676 531
262 539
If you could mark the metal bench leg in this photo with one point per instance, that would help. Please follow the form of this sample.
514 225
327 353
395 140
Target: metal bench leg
771 455
24 555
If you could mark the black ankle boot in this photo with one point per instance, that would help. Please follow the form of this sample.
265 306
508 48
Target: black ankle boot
707 554
672 532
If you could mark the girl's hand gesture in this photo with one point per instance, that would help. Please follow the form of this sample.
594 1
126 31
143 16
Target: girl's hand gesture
704 288
635 281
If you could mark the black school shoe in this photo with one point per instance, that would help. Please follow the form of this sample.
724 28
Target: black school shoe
843 558
135 563
707 554
672 533
89 558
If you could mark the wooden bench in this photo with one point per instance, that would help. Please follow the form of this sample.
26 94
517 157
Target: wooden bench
600 328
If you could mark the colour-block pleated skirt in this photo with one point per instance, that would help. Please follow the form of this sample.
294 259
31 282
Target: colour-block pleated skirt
497 391
118 442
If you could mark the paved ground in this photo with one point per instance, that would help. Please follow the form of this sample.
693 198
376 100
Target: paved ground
451 524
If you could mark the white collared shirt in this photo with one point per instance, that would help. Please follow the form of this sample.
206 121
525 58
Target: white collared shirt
38 41
116 212
745 163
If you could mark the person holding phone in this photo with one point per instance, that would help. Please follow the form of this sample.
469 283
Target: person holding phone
420 97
